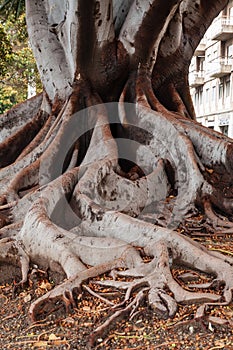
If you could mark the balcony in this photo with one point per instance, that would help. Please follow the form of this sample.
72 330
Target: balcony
220 67
196 78
222 28
200 50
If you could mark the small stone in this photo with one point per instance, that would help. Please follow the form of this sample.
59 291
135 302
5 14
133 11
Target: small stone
191 330
210 327
27 298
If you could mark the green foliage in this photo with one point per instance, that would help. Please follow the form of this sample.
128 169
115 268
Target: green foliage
5 51
8 98
15 7
17 64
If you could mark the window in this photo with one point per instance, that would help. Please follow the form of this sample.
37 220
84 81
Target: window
201 96
228 87
213 96
229 51
200 63
224 129
207 95
196 99
220 90
223 49
231 15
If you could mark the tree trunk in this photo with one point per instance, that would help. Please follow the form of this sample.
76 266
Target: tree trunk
113 158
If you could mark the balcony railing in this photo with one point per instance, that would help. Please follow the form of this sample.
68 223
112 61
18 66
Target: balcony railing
222 28
196 78
219 67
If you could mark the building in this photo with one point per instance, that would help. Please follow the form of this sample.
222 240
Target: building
211 75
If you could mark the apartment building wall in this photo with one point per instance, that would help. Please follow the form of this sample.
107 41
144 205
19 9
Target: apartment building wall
211 75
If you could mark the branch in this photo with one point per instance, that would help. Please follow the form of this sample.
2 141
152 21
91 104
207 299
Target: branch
120 11
48 51
20 114
197 17
103 16
64 24
172 38
139 34
175 53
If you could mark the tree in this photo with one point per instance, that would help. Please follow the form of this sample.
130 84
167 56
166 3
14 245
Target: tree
114 159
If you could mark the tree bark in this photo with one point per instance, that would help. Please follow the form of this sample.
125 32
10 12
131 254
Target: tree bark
113 159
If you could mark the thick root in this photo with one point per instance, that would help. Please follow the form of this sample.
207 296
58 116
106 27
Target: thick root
215 220
94 213
14 144
118 193
74 283
202 151
13 252
18 116
159 280
71 248
182 249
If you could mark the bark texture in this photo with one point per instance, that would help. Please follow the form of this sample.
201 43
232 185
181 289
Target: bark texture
113 159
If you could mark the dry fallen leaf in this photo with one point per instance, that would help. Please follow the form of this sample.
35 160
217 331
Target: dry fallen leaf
40 344
210 171
86 308
45 285
52 336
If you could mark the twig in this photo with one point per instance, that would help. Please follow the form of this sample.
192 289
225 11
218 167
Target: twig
222 251
39 324
8 317
164 344
8 205
102 328
98 296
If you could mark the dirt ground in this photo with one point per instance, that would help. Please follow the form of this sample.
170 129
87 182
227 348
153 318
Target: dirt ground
61 330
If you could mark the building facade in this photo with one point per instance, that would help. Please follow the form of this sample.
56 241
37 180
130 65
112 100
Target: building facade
211 75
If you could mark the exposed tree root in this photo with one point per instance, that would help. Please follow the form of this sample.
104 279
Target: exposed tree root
11 230
215 220
183 249
82 191
205 150
65 290
38 138
73 195
18 116
129 309
12 252
105 202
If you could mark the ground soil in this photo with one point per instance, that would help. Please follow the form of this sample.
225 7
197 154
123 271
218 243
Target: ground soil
62 330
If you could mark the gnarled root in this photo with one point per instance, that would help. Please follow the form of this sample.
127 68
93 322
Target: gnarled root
93 214
194 153
12 252
65 290
130 310
72 251
182 250
217 222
